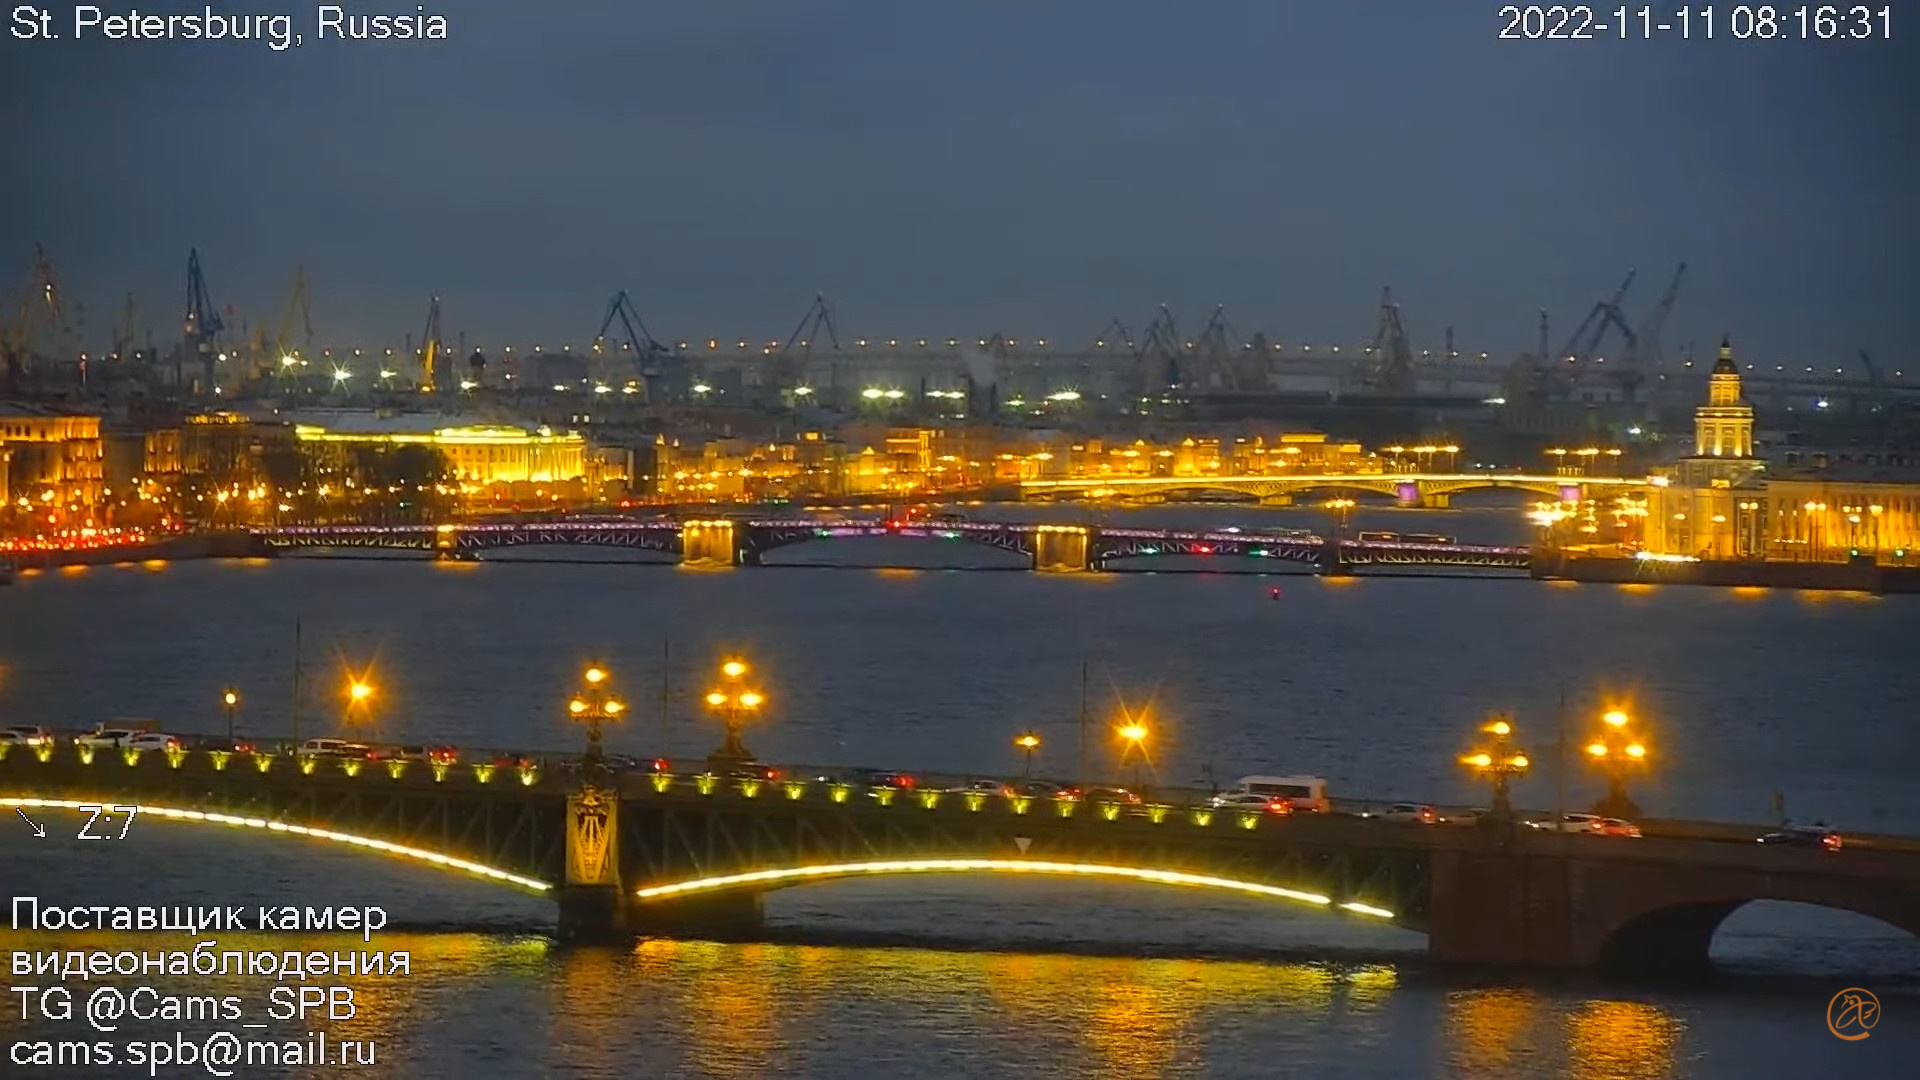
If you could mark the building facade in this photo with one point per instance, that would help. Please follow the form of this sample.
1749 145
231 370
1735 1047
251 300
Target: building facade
54 464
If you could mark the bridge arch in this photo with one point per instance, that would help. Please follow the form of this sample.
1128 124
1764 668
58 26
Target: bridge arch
363 843
1676 937
769 879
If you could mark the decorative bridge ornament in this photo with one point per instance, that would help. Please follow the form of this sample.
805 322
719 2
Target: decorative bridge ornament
627 854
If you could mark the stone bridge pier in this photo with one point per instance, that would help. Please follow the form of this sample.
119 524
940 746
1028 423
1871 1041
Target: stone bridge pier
718 542
1063 549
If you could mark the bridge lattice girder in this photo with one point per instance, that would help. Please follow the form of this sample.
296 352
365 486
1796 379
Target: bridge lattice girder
763 536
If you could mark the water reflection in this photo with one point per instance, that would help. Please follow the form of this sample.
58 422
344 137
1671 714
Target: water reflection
1618 1040
1491 1030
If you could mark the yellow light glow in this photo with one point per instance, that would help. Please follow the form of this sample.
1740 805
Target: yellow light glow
1133 732
576 706
614 708
1029 741
231 697
359 691
1616 718
368 843
750 700
716 699
797 874
1635 750
1597 749
1517 761
1478 761
733 669
1500 727
596 675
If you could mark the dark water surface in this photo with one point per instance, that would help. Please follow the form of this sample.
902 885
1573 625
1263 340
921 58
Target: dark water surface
1375 684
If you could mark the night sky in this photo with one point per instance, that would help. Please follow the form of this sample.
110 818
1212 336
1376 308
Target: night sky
962 167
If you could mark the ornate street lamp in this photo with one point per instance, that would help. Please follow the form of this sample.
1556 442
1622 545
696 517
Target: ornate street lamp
733 701
1028 742
593 705
1133 744
1616 749
1498 762
230 699
359 701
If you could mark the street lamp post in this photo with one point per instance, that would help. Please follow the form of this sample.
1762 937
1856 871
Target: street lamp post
1342 508
1616 749
230 699
1499 762
1028 742
1133 739
593 705
734 702
359 702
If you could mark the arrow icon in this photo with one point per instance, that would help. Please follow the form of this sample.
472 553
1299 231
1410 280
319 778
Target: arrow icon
38 831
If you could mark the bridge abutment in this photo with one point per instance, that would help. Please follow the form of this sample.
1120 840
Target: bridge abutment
719 916
1063 549
1276 500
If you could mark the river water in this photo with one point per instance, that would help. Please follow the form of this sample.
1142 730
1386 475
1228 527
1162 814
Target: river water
1376 684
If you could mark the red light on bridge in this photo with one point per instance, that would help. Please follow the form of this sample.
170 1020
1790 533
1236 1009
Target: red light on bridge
1204 550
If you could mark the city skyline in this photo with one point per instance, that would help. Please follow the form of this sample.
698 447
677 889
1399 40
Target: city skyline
952 173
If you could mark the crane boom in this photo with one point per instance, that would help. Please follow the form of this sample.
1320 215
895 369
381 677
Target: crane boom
430 347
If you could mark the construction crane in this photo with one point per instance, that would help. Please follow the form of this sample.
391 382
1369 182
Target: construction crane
124 332
1584 343
787 367
1647 353
647 352
299 307
203 324
1219 349
1873 370
1161 355
430 348
1389 368
40 303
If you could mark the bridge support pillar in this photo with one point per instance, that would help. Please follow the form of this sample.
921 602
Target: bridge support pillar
709 544
1063 549
1276 500
1436 501
592 902
592 915
1496 905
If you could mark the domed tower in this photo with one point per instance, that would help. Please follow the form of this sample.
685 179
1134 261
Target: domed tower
1723 427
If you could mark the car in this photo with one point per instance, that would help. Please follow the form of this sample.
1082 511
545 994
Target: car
982 787
883 778
1572 823
27 735
629 763
1614 826
1247 801
434 755
1109 794
153 740
1042 789
1470 816
513 759
105 736
334 748
1812 836
1410 814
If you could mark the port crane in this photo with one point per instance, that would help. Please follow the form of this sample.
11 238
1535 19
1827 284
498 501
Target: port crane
787 368
40 302
203 325
430 348
647 352
1389 367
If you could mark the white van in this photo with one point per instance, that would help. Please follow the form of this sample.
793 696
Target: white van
1308 793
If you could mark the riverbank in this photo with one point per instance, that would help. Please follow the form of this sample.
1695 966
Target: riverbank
1858 576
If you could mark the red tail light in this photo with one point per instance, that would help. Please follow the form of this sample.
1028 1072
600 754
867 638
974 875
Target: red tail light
659 764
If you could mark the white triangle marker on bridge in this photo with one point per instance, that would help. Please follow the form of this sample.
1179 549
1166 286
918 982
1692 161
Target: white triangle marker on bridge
1023 842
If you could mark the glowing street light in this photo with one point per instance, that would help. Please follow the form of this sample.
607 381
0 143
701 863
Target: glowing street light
1133 739
1499 762
359 701
595 704
1028 742
230 698
1616 749
734 702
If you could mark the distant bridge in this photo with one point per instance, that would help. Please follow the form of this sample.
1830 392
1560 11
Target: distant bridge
1426 490
746 541
693 853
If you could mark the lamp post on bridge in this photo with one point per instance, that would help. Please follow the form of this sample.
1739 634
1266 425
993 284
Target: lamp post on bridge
734 702
1342 511
1028 742
230 700
595 704
1133 744
359 702
1616 749
1499 762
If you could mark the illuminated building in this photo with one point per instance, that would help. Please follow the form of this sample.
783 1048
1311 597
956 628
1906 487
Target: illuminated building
52 458
1724 502
477 453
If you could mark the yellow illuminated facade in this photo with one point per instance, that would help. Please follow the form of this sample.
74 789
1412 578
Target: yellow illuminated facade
479 454
52 462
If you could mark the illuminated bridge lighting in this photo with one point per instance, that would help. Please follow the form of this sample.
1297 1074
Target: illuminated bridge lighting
797 874
432 857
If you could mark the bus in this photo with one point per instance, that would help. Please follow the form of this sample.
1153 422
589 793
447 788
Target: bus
1307 793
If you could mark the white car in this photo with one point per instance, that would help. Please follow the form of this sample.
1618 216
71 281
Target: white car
104 736
1410 813
153 740
1573 823
26 735
1246 801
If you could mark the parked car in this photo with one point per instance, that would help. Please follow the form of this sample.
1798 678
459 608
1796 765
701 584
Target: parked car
153 740
433 755
1614 826
1410 814
1471 816
1042 789
334 748
1810 836
1572 823
982 787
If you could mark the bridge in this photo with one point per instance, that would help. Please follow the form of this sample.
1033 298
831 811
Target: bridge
1431 491
692 854
746 541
